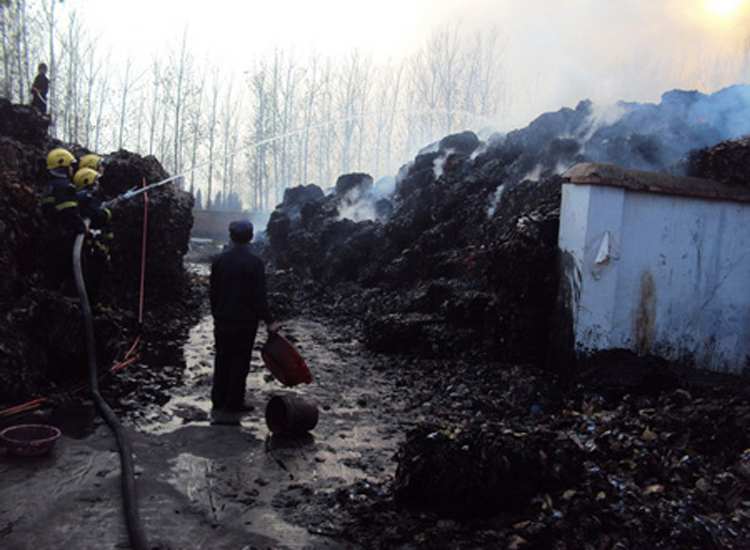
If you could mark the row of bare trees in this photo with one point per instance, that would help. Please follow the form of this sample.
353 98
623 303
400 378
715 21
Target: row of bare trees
284 121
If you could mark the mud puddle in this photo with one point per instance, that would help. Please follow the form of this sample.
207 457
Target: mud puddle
204 486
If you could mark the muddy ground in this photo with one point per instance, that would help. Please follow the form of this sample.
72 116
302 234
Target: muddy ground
408 453
204 486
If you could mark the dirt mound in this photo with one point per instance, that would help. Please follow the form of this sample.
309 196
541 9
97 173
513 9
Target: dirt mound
507 460
727 162
460 280
466 257
42 336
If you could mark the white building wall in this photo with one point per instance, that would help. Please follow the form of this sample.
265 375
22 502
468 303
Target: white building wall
659 274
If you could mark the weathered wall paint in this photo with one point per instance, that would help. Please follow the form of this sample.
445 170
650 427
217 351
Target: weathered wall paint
660 274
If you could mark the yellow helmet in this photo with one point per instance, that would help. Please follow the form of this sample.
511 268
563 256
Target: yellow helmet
59 157
85 177
90 161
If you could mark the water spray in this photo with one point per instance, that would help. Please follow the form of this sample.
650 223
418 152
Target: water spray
138 191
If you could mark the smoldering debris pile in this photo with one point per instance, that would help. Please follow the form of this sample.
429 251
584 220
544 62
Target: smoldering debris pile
460 277
504 459
41 334
727 162
461 255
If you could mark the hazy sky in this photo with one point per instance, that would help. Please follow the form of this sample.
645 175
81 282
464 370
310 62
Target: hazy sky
555 52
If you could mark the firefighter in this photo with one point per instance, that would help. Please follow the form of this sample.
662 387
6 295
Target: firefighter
60 208
90 199
96 246
60 202
93 161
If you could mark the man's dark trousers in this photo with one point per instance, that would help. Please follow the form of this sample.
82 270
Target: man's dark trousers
234 347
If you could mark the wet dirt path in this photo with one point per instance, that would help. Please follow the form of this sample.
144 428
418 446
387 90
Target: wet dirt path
204 486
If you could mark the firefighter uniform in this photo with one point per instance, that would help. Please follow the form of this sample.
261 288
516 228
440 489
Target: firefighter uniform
60 208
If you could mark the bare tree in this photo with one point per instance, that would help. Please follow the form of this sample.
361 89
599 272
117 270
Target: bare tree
155 104
257 148
216 85
231 107
127 85
50 18
387 104
181 77
350 89
194 117
310 97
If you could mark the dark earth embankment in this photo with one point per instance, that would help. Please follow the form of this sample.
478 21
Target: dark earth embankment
41 333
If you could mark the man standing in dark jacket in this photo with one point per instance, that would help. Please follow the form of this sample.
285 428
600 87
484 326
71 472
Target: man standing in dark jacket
40 89
238 303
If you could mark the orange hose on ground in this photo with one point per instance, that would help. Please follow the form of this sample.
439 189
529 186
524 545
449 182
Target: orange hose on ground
38 402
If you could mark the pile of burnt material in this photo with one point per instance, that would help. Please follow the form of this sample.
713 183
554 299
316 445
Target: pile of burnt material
638 453
41 332
308 233
462 274
461 256
167 211
727 162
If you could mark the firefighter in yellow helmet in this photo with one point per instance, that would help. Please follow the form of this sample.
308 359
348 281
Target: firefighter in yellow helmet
59 201
95 252
61 210
93 161
90 199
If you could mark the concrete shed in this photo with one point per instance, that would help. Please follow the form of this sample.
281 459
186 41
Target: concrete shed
656 264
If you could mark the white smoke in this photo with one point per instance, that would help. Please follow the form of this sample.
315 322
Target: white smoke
384 187
535 174
358 212
602 115
438 166
357 206
495 201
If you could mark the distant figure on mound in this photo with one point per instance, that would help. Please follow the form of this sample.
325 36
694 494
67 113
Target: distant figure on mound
40 89
238 303
60 208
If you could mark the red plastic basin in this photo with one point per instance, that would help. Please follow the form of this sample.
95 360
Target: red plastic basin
30 439
284 361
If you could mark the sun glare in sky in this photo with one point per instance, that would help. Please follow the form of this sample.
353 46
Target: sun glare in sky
724 8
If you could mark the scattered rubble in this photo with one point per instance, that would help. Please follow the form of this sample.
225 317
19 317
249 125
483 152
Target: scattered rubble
461 280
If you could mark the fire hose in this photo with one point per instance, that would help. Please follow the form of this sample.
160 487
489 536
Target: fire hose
129 194
135 529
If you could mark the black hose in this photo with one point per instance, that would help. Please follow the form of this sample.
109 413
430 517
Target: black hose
136 532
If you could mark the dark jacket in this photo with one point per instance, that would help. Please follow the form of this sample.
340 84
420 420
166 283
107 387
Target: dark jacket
60 203
39 90
238 287
91 206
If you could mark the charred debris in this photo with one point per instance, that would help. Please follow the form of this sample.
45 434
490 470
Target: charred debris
41 332
452 277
